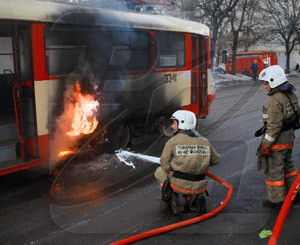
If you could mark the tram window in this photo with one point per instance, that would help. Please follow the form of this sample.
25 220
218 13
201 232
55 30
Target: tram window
137 44
202 58
6 55
169 50
6 72
63 59
194 52
64 49
24 44
69 48
140 51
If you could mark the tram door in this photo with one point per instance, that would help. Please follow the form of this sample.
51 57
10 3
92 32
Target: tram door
24 93
199 74
18 135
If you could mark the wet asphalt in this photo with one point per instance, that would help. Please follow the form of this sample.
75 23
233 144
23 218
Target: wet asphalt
103 200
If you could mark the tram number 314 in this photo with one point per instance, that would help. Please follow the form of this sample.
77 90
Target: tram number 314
168 78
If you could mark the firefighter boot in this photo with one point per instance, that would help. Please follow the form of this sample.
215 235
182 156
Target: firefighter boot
164 205
176 205
198 204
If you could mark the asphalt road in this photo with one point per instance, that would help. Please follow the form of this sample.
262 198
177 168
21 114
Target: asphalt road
101 201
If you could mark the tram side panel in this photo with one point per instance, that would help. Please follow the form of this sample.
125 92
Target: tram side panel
161 84
134 77
134 88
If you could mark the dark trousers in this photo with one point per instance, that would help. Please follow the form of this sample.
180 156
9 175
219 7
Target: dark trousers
254 75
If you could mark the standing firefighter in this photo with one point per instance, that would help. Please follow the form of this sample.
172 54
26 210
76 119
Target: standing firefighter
184 162
281 118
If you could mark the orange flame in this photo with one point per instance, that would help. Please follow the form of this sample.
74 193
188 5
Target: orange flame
65 153
84 121
84 116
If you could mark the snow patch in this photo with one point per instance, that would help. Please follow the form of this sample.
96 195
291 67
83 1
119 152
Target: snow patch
229 77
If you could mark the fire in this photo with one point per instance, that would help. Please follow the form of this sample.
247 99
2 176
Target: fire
84 121
65 153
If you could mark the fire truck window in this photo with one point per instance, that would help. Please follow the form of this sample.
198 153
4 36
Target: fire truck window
69 48
169 50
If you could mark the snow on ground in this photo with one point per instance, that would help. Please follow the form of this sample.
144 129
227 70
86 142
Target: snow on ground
230 77
294 73
223 80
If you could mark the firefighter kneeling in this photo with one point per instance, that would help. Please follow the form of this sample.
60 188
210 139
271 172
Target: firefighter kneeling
185 160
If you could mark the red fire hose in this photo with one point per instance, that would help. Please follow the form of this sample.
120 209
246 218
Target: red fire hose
284 211
182 223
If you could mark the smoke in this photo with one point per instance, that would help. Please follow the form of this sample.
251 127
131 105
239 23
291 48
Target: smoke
61 141
112 4
118 5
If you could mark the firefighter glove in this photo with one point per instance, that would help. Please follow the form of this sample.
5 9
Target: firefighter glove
260 131
265 151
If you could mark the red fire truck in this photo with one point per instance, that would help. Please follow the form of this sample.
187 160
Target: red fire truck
245 59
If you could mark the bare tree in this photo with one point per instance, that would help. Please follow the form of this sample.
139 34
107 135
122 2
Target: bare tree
281 15
247 30
184 9
215 11
224 40
252 30
295 18
236 18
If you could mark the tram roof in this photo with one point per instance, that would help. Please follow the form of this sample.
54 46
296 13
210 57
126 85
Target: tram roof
42 11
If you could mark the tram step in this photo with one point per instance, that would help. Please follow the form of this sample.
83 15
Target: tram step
8 150
8 131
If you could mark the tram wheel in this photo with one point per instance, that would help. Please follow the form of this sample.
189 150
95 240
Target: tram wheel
119 136
166 127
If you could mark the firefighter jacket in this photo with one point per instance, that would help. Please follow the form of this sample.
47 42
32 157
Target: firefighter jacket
190 155
277 113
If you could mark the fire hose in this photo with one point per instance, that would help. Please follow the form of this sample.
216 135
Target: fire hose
284 211
182 223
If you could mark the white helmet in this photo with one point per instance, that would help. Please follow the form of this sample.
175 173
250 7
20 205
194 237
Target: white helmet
186 119
274 75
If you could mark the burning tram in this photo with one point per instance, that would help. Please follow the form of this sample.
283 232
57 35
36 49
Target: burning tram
75 76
